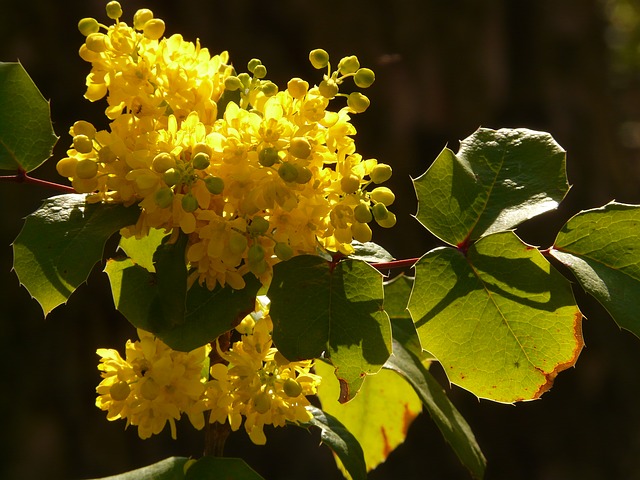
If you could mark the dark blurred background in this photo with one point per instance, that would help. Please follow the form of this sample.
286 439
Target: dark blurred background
443 69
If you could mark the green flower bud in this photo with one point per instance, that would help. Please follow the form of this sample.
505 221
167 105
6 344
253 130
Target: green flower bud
237 243
269 88
283 251
232 83
300 147
260 71
189 203
86 168
259 225
87 26
153 29
245 79
255 254
253 63
364 77
141 17
387 222
164 197
380 173
380 212
328 88
163 162
288 172
383 195
82 144
119 391
258 268
268 156
262 402
304 175
215 185
84 128
172 177
362 213
96 42
348 65
291 388
350 184
358 102
200 161
114 10
319 58
361 232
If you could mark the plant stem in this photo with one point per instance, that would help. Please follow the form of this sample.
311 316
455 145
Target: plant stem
407 262
216 434
23 177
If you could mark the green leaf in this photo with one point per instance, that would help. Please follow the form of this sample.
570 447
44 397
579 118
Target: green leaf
318 308
396 298
26 133
221 468
341 441
61 242
208 313
501 320
378 417
370 252
168 469
497 180
602 249
169 306
141 250
451 423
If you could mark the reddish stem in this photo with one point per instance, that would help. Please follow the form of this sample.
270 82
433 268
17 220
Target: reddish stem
23 177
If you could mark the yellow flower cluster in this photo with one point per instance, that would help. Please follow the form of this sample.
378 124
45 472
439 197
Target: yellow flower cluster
154 384
252 174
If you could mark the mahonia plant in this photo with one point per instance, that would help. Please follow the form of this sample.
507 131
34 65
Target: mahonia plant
246 264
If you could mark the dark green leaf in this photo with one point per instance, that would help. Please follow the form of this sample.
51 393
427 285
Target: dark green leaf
341 441
26 133
208 313
501 321
396 298
168 469
61 242
451 423
317 309
171 282
602 249
497 180
221 468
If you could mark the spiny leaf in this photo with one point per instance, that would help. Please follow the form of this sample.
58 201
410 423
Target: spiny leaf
26 133
501 320
168 469
141 250
451 423
341 441
497 180
61 242
316 308
378 417
602 249
221 468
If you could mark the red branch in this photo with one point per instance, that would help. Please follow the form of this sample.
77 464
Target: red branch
23 177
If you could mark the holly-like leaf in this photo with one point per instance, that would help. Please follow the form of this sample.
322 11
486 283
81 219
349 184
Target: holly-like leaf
61 242
396 298
207 314
168 469
141 250
378 417
602 249
451 423
317 307
501 320
26 133
341 441
497 180
221 468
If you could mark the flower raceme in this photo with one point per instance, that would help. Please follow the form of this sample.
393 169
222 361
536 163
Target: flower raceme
252 174
154 384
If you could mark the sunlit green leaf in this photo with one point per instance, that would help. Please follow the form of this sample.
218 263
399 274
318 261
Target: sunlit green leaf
341 441
221 468
26 133
451 423
370 252
168 469
501 320
602 249
378 417
141 250
396 298
497 180
61 242
318 308
208 313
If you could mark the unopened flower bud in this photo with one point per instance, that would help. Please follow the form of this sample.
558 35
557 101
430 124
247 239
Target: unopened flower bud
262 402
268 156
381 173
361 232
358 102
119 391
288 172
114 10
269 88
171 177
153 29
387 222
260 71
67 166
364 77
214 184
300 147
348 65
304 175
258 226
349 184
87 26
232 83
189 203
82 144
283 251
253 63
383 195
328 88
200 161
141 17
297 87
362 213
163 162
86 168
84 128
96 42
380 212
319 58
164 197
291 388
